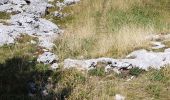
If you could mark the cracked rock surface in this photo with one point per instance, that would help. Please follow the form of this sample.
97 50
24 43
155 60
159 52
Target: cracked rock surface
27 18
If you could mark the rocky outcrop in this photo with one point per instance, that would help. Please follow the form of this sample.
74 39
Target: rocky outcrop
27 19
142 59
65 3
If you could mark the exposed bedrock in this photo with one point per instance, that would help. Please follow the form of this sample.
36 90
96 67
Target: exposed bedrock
142 59
26 18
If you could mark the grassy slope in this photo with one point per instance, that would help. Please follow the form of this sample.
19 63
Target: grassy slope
111 28
96 28
74 85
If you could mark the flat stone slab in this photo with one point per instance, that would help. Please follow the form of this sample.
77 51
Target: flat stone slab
47 58
142 59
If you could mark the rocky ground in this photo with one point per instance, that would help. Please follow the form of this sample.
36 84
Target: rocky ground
27 18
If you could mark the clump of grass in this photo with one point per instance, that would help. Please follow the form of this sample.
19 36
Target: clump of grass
160 75
94 89
135 71
97 72
4 15
103 88
112 28
22 47
66 81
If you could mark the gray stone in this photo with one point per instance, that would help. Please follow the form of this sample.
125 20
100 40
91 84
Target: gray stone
70 2
119 97
47 58
3 2
142 59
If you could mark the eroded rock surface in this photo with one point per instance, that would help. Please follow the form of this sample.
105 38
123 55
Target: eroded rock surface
27 19
141 58
47 58
70 2
65 3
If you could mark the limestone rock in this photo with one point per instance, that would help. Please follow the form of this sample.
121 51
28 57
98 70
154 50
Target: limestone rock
70 2
47 58
119 97
142 59
54 66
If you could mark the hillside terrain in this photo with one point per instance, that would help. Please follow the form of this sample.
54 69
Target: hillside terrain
84 49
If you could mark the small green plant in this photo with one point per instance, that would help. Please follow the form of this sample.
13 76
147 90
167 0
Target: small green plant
4 15
135 71
97 72
158 75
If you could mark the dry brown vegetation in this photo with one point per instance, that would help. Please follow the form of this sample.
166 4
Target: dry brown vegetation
112 28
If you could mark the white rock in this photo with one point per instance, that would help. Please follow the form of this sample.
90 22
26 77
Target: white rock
33 42
17 2
167 50
81 64
61 5
157 45
3 2
28 21
44 92
54 66
37 8
5 39
7 34
58 14
119 97
30 24
141 58
47 58
50 0
65 3
69 2
50 6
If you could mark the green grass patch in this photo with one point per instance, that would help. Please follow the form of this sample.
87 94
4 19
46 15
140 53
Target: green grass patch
139 16
4 15
135 71
97 71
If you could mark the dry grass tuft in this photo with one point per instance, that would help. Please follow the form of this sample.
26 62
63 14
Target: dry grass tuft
111 28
